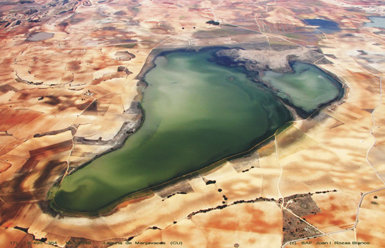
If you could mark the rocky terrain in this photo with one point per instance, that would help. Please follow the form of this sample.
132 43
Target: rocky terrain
276 58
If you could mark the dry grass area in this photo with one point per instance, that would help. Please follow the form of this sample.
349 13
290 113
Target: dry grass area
63 100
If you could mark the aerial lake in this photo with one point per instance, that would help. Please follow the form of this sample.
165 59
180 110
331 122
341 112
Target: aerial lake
325 26
376 22
307 88
196 113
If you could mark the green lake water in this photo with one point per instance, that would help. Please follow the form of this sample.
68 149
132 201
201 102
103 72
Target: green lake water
306 88
196 113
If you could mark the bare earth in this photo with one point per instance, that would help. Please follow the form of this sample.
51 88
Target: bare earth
69 78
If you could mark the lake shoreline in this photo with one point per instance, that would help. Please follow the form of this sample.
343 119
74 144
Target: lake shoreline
122 137
313 113
124 133
256 75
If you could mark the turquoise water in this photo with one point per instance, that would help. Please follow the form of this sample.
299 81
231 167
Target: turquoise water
376 22
196 113
306 88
